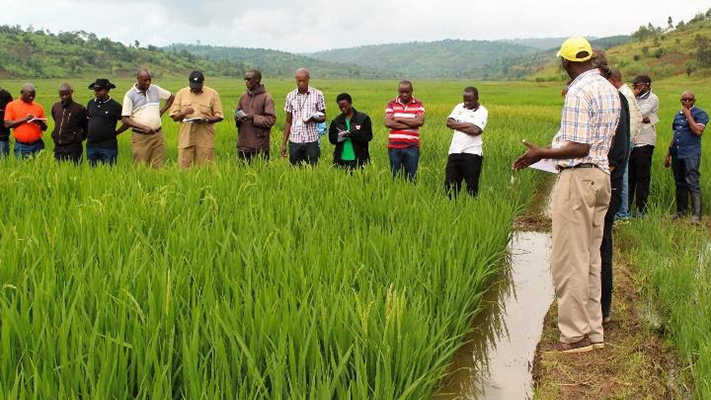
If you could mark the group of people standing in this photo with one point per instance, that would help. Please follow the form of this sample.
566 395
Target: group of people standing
198 108
606 140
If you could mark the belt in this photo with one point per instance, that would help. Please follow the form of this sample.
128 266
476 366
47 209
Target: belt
583 165
143 133
28 143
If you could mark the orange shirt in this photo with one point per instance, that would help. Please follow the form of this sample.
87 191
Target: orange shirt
27 132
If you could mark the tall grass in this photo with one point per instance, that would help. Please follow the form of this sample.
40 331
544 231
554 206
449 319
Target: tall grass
261 281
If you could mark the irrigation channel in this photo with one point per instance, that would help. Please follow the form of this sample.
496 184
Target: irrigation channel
496 361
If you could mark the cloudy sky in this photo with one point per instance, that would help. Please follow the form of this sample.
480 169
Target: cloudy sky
303 26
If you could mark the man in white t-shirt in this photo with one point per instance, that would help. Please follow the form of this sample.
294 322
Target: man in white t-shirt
468 120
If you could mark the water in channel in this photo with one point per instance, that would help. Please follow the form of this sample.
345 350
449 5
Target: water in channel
496 361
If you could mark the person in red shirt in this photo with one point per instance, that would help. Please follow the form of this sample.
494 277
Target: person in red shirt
404 116
27 120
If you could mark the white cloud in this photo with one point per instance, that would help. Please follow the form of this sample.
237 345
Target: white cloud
303 25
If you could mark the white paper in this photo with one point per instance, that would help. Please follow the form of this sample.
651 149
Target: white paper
342 136
546 165
193 120
240 114
37 119
317 114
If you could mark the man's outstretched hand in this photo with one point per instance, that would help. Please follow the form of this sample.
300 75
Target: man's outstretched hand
531 156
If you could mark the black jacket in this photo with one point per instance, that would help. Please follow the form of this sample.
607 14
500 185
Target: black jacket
619 148
5 98
361 134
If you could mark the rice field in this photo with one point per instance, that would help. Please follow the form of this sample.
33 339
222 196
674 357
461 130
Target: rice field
261 281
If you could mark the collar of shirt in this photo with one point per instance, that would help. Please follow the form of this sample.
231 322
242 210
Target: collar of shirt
308 91
583 76
399 101
645 96
102 102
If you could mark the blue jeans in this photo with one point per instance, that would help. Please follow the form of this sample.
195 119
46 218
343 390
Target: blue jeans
407 158
624 210
23 150
104 155
4 148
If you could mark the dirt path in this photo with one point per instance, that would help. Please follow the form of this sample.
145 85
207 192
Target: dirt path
636 363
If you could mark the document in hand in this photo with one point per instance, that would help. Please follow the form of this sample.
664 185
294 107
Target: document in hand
317 114
192 120
342 135
240 114
546 165
35 119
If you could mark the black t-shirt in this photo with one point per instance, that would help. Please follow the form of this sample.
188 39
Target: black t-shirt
103 117
5 97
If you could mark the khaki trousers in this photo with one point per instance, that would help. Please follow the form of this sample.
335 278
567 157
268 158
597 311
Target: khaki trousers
580 200
195 154
148 149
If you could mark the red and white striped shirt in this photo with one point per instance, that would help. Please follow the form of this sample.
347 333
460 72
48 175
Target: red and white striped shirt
404 138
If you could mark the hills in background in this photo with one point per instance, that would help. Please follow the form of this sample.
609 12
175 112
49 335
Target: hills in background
661 52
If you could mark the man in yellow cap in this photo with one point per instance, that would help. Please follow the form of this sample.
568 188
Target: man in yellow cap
581 195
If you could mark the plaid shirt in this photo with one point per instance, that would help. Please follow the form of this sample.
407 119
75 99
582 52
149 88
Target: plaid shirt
301 107
590 115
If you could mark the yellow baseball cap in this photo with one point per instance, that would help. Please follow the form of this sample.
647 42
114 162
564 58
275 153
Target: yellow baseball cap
574 46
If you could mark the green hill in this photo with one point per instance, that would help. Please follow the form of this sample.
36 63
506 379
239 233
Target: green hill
276 63
660 53
40 54
441 59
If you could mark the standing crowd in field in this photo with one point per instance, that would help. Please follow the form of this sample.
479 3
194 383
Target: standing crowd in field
602 152
198 107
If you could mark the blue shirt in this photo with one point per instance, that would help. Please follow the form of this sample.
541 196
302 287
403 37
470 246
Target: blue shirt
686 144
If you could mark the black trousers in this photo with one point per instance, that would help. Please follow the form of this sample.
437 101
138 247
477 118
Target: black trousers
686 179
308 153
249 156
640 174
466 167
69 152
606 246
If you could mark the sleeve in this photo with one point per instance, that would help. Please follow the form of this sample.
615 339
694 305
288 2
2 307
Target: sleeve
175 107
41 112
575 121
217 105
421 110
703 118
650 107
162 93
127 108
618 149
333 132
320 103
268 118
481 119
51 111
389 109
287 104
85 122
455 111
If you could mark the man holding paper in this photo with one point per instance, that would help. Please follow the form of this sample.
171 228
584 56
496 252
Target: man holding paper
254 118
350 132
581 195
197 108
27 120
305 109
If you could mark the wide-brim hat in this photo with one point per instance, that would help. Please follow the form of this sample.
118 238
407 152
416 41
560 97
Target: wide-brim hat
102 84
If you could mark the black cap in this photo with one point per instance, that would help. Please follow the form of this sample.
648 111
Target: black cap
196 76
642 79
102 83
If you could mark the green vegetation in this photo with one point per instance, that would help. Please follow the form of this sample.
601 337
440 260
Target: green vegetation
264 281
276 63
659 52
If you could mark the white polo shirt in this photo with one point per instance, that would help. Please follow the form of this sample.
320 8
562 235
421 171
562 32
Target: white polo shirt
461 142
